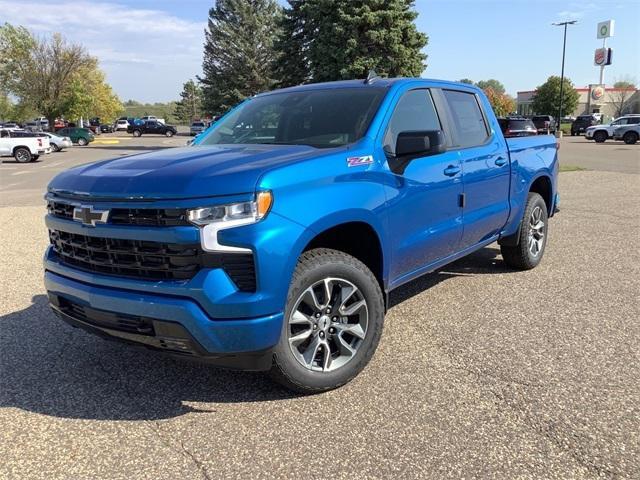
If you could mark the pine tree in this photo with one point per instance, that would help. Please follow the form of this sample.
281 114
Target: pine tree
190 106
239 52
292 65
345 39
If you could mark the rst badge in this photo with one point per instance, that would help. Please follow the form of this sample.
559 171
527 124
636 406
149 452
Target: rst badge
357 161
88 216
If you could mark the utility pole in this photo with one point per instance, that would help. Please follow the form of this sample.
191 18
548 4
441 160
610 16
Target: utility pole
564 46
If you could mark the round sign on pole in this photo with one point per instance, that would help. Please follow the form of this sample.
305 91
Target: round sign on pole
605 29
597 93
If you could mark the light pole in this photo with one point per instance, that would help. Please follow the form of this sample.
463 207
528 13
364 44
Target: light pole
564 46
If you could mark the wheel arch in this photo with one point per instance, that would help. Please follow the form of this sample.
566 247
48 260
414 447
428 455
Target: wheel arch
543 186
13 151
358 238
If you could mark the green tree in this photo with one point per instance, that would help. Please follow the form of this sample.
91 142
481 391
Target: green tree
6 107
344 39
467 81
190 105
40 72
292 65
239 52
546 100
493 84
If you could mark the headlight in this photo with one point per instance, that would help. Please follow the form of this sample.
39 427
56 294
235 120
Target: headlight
213 219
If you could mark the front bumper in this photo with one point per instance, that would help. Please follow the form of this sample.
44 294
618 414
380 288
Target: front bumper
175 325
589 133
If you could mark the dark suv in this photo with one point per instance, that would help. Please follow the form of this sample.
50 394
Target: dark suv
517 127
581 123
544 123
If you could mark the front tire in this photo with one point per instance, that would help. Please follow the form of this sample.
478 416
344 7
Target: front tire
532 240
137 133
169 133
630 138
82 142
332 324
55 147
600 137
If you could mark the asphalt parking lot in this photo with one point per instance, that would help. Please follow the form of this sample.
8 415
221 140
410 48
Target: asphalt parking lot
482 372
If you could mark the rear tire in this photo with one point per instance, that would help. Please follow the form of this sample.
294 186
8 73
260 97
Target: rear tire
137 133
22 155
55 147
600 136
326 340
533 235
82 142
630 138
169 133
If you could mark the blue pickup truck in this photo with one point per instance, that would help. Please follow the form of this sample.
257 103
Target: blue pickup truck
273 242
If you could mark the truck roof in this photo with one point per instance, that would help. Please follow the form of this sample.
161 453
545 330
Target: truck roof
361 83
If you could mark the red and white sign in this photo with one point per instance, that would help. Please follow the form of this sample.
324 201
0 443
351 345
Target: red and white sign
597 92
601 56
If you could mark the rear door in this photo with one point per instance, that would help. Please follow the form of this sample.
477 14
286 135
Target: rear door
485 164
424 212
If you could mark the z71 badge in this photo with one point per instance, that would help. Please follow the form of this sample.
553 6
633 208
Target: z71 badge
357 161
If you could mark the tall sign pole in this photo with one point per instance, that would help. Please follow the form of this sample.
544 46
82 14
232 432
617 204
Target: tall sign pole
564 46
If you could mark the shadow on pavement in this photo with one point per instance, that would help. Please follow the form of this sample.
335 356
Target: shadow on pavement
50 368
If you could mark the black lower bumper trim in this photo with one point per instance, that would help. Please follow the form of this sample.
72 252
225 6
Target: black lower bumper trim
165 336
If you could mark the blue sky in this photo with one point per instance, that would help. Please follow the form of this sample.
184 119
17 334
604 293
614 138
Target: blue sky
149 48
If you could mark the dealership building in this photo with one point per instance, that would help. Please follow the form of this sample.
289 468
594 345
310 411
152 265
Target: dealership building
593 99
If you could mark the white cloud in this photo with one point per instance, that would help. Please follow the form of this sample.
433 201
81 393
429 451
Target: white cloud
146 54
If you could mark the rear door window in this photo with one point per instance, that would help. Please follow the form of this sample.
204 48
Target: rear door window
468 119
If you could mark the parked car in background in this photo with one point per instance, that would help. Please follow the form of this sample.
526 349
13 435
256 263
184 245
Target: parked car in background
197 127
274 245
581 123
630 134
545 124
23 146
152 127
517 127
106 128
121 124
31 134
149 118
57 142
32 127
600 133
78 135
10 126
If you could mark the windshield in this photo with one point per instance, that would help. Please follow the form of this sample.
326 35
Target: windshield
319 118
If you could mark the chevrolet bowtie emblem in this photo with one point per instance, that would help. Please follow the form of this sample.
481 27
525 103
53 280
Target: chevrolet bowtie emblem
88 216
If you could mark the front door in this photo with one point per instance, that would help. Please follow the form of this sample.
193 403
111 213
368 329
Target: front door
424 210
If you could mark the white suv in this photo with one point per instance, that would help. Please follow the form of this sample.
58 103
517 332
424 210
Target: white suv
601 133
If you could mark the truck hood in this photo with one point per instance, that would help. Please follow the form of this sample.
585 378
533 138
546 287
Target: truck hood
188 172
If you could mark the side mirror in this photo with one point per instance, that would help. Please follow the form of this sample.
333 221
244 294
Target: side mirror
420 143
416 144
